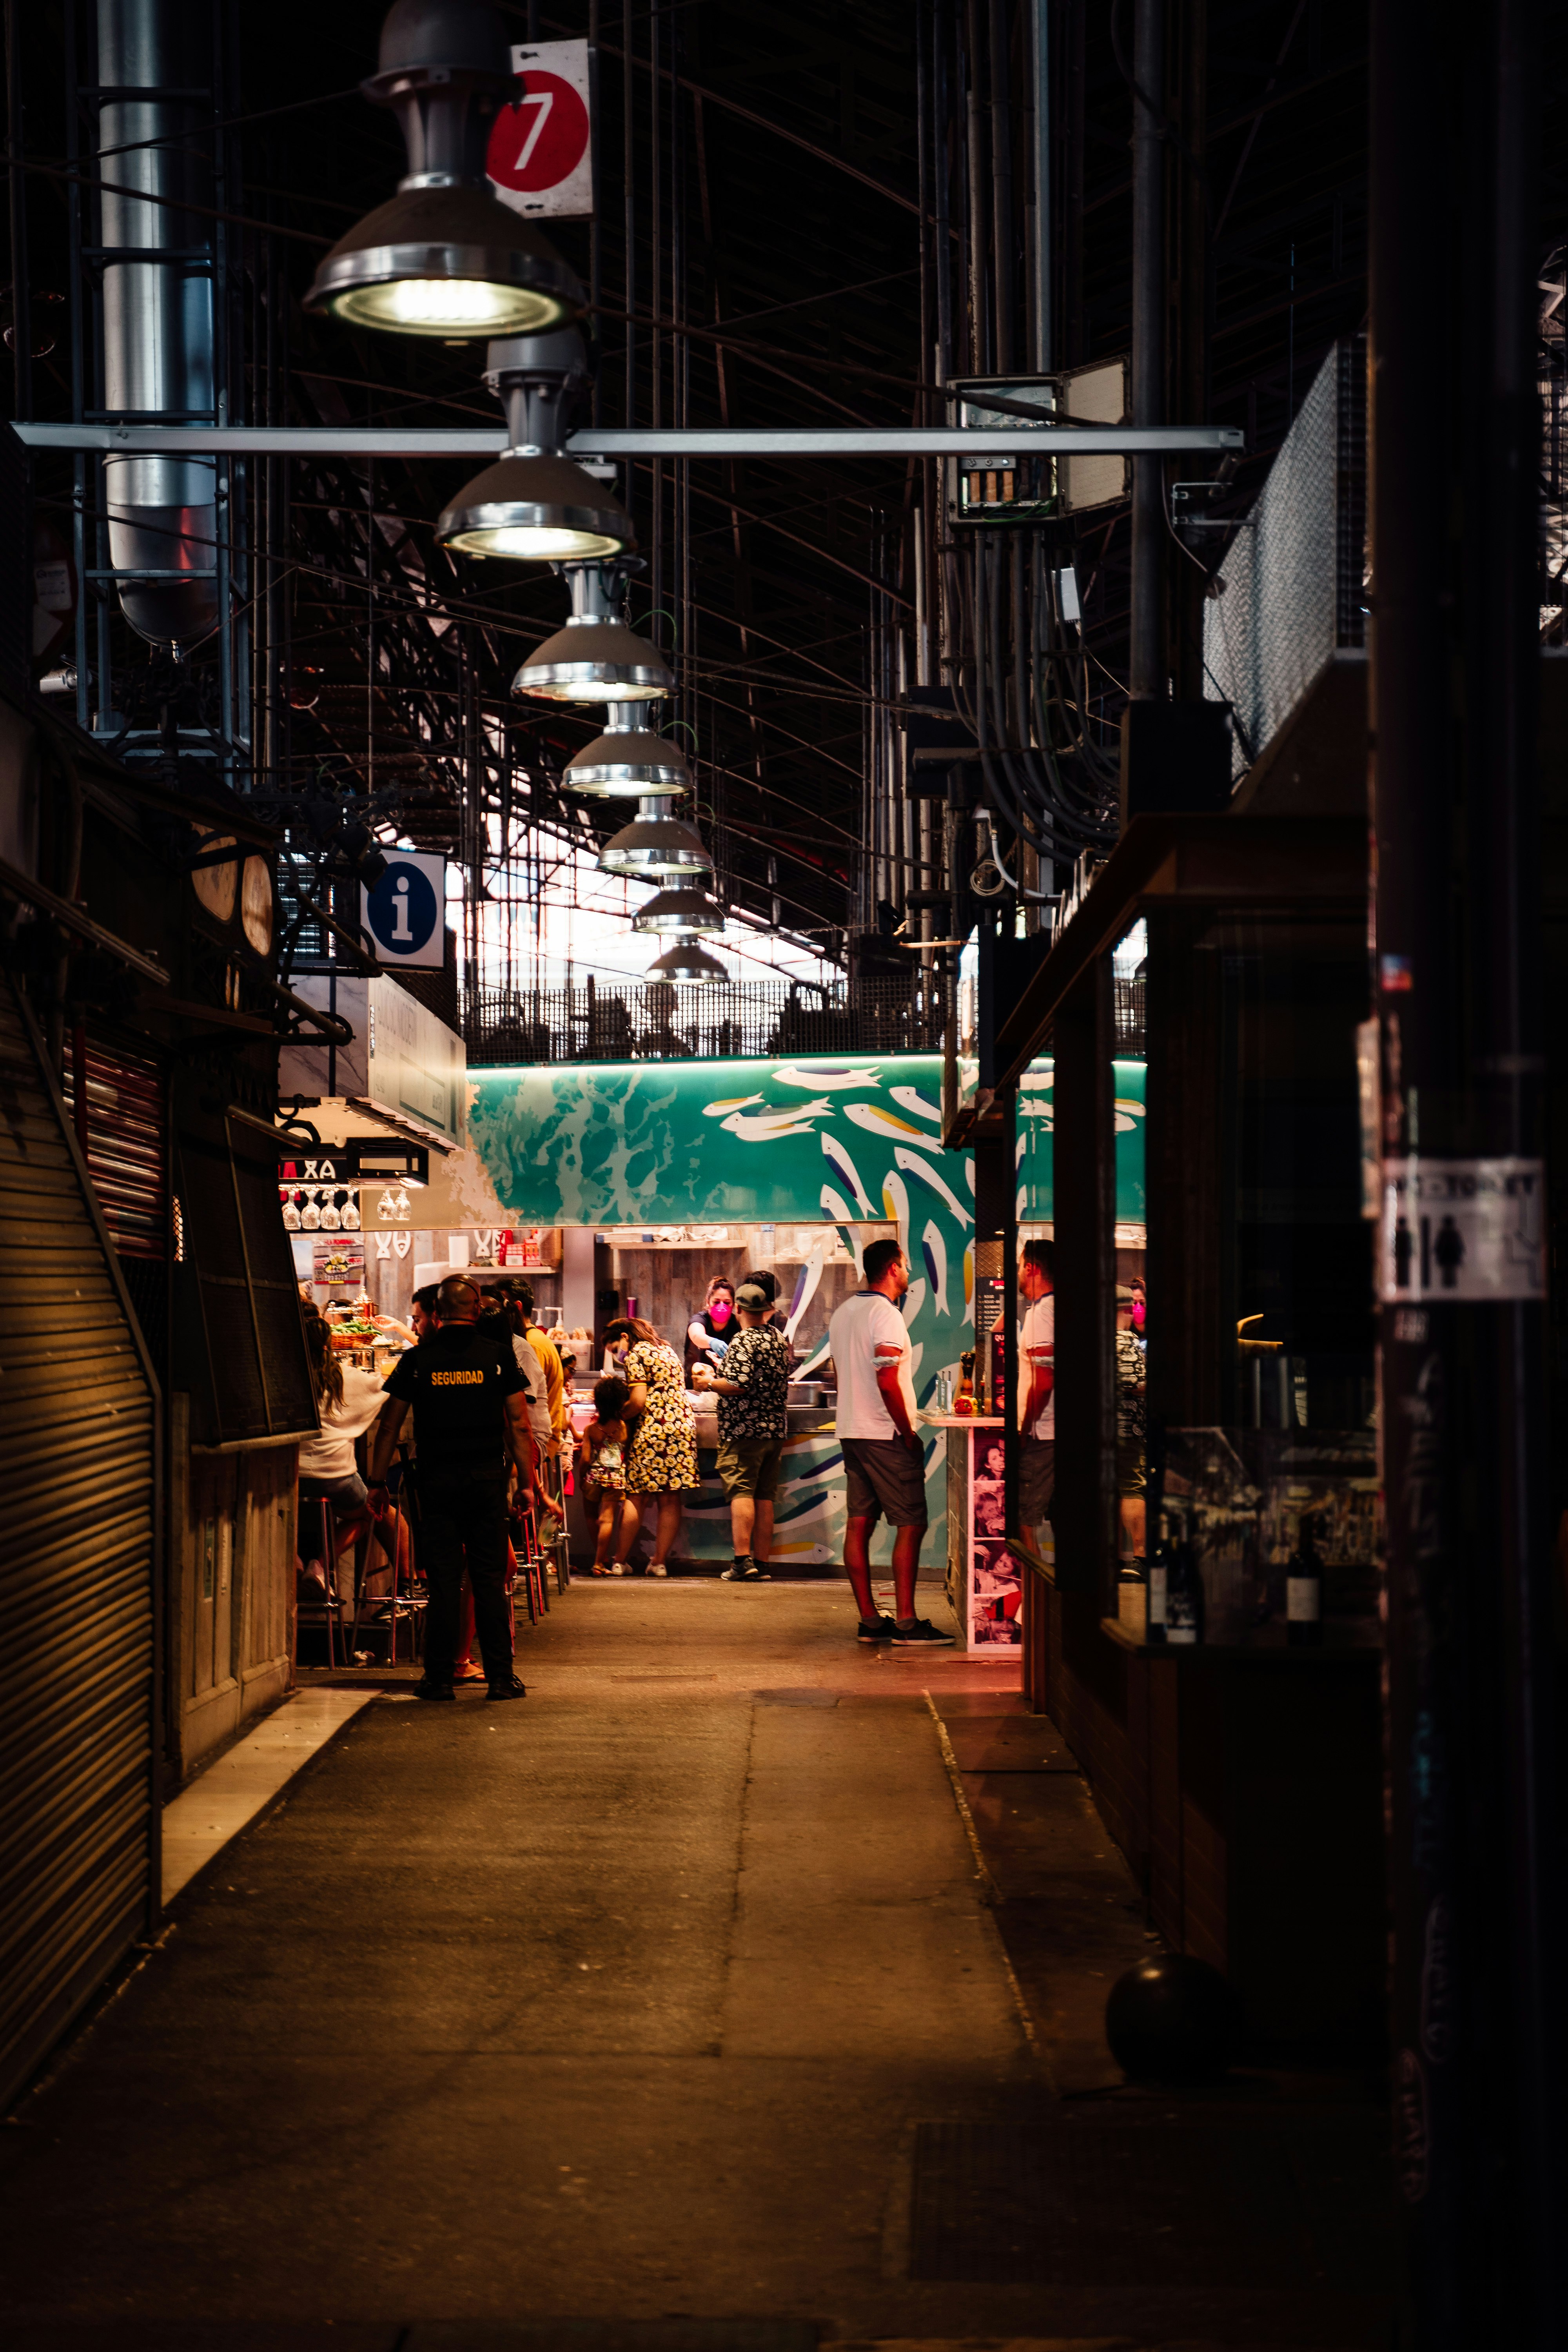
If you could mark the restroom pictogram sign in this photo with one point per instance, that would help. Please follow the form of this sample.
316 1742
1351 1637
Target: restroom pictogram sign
405 912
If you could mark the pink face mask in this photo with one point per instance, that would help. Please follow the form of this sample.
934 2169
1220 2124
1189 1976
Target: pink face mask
719 1310
1138 1314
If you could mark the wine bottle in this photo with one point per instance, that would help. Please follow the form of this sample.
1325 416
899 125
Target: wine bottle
1132 1599
963 1402
1159 1583
1184 1598
1304 1591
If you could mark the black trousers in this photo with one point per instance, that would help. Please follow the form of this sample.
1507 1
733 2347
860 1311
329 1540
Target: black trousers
465 1527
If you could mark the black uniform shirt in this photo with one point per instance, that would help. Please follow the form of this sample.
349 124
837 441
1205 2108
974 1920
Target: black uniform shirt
458 1380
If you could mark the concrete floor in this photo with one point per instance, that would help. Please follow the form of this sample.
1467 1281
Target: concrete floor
647 1996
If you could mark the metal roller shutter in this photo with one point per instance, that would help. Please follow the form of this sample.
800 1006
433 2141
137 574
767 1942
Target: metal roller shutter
121 1115
122 1129
78 1830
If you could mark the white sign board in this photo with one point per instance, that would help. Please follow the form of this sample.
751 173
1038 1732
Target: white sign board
406 914
1455 1229
541 159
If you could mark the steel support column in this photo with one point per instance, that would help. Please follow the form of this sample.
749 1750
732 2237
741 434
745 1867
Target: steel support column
1475 1864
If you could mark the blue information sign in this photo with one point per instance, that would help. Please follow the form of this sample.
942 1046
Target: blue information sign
405 912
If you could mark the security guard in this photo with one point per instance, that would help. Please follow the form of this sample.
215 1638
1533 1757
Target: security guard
470 1405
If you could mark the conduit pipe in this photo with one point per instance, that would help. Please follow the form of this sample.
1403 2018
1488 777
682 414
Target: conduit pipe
158 352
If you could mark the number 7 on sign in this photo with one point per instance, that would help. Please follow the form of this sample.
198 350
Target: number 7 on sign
541 101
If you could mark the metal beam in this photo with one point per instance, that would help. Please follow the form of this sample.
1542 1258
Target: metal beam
439 441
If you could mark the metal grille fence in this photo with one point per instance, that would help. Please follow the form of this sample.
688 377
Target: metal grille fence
738 1019
1295 573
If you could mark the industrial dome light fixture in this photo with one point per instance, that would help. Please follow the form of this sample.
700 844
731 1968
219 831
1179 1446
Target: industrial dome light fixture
444 256
534 503
627 762
653 847
596 658
689 966
688 914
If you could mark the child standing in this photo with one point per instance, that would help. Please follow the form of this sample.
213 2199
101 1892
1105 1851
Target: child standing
602 1452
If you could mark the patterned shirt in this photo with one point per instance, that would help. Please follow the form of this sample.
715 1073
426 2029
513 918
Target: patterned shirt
758 1361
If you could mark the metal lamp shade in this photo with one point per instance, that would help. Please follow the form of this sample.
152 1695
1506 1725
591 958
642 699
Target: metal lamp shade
453 262
689 966
684 914
540 510
652 848
627 763
595 660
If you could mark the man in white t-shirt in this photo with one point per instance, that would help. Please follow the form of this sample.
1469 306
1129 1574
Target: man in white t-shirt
1038 1389
884 1460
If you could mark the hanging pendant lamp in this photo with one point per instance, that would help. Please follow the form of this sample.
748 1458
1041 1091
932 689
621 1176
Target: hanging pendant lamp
445 257
534 503
687 966
653 847
596 658
686 914
627 762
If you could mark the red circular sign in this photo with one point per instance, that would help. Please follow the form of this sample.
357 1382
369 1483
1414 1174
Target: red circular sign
541 140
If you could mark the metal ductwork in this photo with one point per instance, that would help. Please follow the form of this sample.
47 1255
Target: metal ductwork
158 313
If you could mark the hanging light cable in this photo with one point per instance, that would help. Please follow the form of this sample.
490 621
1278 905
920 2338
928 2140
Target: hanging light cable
444 256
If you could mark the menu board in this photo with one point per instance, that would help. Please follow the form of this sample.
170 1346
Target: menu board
337 1263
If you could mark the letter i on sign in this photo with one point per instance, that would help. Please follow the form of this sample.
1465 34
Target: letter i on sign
400 928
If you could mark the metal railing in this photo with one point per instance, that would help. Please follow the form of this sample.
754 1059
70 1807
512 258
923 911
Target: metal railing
737 1019
1129 1015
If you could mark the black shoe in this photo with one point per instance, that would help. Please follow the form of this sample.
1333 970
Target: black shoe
744 1571
876 1629
512 1689
433 1690
922 1635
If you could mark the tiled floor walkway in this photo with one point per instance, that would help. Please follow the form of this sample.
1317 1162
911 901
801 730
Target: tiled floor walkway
677 1989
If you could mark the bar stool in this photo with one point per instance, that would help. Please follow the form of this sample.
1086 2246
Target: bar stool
328 1610
391 1608
525 1545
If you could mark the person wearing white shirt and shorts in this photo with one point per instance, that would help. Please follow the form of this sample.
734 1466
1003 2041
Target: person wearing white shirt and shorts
884 1461
1037 1384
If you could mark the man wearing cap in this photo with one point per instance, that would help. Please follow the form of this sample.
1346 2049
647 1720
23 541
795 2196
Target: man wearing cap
753 1391
471 1412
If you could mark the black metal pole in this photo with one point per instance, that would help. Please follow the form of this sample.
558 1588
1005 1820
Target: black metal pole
1474 1855
1003 240
21 283
1146 666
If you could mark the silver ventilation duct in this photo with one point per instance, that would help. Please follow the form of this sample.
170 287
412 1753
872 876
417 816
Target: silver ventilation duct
158 314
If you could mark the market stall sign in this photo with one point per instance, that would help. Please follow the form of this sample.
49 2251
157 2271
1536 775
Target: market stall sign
363 1159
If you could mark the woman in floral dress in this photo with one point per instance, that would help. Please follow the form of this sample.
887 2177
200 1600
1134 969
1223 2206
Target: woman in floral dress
663 1458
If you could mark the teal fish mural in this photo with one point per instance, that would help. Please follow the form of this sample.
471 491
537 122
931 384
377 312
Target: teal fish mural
841 1162
756 1142
933 1249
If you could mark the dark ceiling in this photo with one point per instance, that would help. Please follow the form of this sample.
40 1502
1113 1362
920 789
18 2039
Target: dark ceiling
778 274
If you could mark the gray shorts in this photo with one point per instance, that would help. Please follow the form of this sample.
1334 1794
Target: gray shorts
1037 1478
881 1476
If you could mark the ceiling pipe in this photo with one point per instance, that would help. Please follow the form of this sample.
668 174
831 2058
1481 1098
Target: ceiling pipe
157 313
